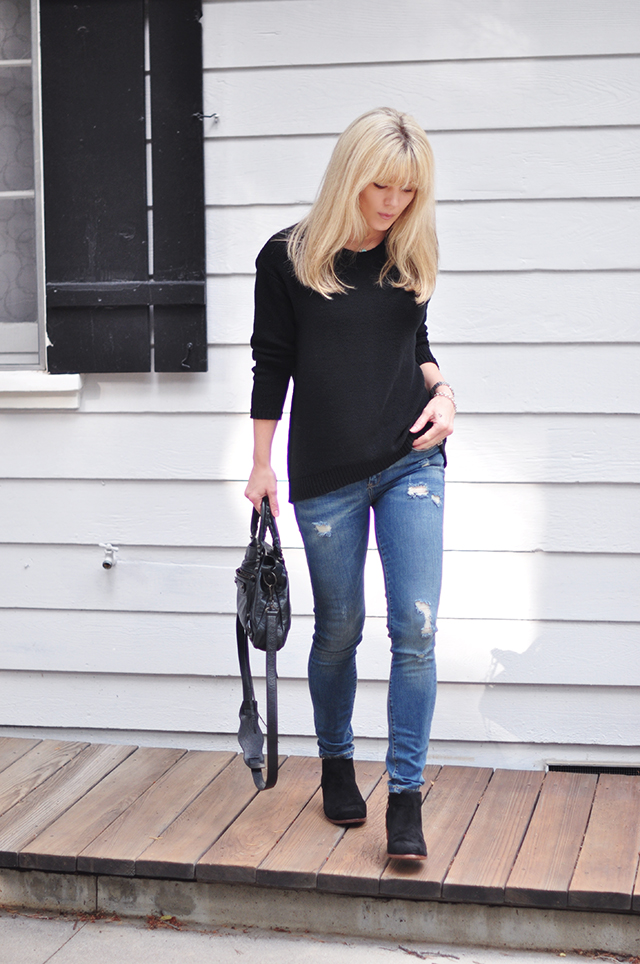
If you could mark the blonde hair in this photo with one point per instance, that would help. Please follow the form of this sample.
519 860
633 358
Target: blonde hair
386 147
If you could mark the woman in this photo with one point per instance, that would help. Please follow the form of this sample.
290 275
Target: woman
340 306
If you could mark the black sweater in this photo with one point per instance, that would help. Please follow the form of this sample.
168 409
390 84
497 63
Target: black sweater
354 360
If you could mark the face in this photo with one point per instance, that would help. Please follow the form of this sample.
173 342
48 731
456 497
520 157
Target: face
382 204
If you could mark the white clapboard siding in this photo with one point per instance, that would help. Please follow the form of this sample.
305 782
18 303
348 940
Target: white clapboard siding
496 651
556 714
443 96
225 387
476 585
478 515
490 378
475 236
244 34
470 165
483 307
544 378
229 308
484 448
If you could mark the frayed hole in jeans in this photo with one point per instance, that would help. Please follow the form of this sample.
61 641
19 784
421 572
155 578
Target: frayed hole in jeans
425 610
322 528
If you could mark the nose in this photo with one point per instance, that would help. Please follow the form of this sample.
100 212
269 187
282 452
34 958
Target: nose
392 197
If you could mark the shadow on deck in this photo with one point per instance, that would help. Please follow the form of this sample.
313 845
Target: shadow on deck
152 830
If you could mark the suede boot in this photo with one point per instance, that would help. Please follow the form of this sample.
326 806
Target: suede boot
404 826
343 802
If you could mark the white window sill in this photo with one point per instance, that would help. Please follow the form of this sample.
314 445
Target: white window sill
39 390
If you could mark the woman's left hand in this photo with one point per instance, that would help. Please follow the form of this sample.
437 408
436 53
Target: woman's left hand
441 411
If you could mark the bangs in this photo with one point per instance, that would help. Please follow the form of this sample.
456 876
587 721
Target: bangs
401 170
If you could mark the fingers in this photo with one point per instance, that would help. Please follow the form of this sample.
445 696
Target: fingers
273 504
263 482
441 428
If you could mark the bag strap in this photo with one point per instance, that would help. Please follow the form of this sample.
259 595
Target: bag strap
267 523
250 735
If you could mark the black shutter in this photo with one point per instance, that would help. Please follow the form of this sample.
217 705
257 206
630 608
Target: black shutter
104 306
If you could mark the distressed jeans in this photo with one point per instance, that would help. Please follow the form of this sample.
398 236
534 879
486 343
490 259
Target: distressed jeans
407 501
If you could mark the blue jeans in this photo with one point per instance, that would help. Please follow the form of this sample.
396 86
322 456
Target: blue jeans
407 501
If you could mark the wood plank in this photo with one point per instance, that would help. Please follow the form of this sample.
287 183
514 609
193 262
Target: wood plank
471 165
34 768
564 373
57 847
517 713
483 863
20 825
592 234
471 650
249 35
115 850
296 858
12 748
476 95
531 516
113 446
570 586
177 852
236 855
543 869
606 870
484 307
360 857
446 815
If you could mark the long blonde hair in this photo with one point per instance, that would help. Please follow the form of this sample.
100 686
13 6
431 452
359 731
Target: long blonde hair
382 146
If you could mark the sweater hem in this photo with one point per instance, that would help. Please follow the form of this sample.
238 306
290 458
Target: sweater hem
338 477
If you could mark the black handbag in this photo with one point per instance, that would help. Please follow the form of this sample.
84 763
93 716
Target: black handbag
264 617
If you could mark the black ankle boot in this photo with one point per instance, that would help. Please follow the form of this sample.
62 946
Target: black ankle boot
404 826
343 801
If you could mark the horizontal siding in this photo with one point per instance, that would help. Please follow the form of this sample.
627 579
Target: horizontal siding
463 713
489 516
485 448
491 651
489 378
309 31
476 585
464 95
470 166
483 235
512 307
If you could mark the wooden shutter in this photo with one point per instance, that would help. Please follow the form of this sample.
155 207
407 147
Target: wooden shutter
105 307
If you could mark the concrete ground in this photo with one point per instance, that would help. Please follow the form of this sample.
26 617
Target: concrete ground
37 938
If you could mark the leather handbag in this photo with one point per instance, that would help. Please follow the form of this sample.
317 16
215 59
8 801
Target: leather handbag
264 617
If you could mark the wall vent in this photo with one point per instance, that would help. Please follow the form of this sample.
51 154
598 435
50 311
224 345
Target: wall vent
629 771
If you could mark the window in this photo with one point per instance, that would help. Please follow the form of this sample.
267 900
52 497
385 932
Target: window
21 288
123 186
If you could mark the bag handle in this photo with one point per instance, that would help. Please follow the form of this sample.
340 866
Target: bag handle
267 522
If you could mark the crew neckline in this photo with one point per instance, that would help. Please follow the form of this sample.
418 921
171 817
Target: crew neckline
365 250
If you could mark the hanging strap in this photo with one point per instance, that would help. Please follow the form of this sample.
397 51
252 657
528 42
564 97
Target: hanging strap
250 735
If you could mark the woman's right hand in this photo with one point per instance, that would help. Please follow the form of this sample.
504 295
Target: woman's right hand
262 481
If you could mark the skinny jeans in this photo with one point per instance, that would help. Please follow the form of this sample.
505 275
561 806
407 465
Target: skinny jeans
407 501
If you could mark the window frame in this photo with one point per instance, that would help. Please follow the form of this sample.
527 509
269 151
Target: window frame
36 192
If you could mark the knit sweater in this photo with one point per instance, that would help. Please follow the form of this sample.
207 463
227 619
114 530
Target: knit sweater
354 360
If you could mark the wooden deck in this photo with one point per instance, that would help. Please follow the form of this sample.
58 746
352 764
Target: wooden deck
523 838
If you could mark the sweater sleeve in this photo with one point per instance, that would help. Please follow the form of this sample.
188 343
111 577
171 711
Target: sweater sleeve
423 351
273 340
